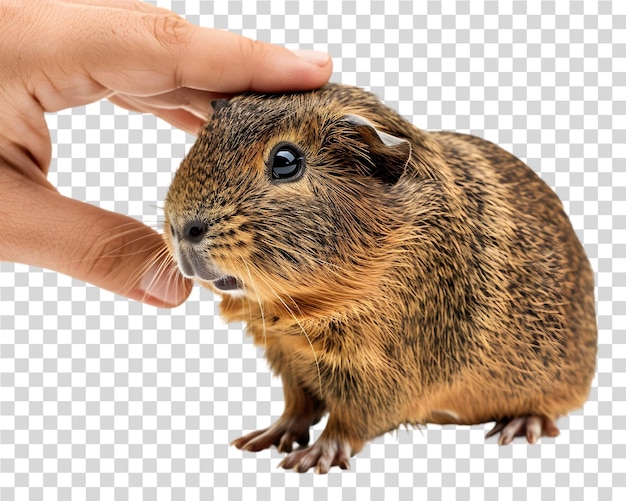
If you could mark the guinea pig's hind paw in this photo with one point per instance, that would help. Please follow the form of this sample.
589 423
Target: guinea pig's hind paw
531 427
282 434
322 455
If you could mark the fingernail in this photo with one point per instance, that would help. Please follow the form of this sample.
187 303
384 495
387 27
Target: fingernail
320 59
164 286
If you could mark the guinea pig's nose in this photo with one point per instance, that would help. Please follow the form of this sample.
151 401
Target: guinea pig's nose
194 231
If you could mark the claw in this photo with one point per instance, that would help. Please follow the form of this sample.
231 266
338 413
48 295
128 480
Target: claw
499 426
282 434
322 456
531 427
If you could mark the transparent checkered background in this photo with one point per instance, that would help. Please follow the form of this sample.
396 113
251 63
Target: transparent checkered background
103 398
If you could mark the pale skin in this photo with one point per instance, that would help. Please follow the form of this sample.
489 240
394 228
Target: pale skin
58 54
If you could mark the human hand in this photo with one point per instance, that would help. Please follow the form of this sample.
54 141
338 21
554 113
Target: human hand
58 54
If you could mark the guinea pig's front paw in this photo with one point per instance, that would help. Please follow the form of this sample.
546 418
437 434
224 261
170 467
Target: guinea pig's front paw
531 427
283 433
323 454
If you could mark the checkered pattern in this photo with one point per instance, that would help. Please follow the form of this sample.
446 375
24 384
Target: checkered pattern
103 398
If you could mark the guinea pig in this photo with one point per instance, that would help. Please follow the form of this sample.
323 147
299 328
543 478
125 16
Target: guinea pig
393 276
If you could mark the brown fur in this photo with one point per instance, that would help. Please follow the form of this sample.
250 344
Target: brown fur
442 284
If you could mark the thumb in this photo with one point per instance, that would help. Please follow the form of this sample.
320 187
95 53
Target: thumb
115 252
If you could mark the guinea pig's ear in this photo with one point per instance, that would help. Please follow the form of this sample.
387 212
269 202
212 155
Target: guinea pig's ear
389 154
218 104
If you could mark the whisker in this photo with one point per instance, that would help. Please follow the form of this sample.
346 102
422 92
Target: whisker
258 298
116 252
154 258
164 269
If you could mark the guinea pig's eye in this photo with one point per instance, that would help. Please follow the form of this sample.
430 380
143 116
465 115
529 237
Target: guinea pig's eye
286 162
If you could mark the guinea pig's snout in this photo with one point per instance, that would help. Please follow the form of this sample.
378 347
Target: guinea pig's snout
194 264
194 261
186 240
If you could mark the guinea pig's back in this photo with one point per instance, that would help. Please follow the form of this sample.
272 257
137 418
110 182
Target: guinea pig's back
526 245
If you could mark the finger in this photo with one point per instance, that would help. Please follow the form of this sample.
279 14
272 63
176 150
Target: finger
226 62
169 53
243 64
182 119
196 102
24 135
42 228
119 4
193 100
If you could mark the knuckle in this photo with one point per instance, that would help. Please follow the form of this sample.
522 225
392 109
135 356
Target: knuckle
169 29
250 54
172 34
250 50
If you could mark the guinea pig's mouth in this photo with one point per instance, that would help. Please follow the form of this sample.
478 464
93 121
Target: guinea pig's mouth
193 266
227 284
